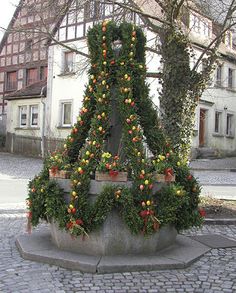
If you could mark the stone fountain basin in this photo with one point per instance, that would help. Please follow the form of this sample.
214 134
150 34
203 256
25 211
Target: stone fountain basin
113 237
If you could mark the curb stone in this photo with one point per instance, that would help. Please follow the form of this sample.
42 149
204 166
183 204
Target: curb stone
209 221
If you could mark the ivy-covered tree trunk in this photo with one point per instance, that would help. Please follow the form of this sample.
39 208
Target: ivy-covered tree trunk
178 95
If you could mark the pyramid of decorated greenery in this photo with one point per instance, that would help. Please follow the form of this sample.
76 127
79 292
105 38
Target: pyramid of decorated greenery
141 209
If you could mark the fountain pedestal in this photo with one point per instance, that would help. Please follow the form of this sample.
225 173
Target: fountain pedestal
113 237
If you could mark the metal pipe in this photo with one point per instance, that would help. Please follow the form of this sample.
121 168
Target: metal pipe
43 95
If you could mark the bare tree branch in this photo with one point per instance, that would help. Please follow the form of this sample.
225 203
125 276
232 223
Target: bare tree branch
218 39
138 11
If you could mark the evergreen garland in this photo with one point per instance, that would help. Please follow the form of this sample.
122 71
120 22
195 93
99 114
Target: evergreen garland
142 210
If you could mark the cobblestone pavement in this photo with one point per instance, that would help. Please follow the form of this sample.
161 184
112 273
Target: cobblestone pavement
224 163
18 167
213 273
215 177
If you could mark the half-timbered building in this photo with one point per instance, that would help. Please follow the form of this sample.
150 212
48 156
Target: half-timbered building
23 72
35 122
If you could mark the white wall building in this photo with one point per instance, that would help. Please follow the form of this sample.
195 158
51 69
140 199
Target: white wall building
67 78
215 114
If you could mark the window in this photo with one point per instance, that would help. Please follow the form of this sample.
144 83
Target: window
228 39
23 116
31 76
66 114
196 23
206 29
94 10
218 116
68 62
43 72
34 116
230 78
229 125
219 75
28 45
11 81
204 68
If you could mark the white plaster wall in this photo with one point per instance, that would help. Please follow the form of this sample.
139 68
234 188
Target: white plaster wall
64 88
71 87
223 99
13 119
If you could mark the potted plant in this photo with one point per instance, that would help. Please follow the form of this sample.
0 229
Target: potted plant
163 169
58 167
110 169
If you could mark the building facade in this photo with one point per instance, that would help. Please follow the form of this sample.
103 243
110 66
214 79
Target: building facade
215 115
34 121
23 74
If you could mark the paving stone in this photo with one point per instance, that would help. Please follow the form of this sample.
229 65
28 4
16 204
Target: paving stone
217 268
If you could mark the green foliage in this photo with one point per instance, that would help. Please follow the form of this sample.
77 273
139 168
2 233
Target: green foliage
177 98
83 151
108 163
45 200
169 202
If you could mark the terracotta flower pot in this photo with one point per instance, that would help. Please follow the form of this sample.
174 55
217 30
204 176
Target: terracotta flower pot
164 178
59 174
116 176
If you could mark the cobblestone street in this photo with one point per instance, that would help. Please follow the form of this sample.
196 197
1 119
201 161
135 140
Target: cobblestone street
213 273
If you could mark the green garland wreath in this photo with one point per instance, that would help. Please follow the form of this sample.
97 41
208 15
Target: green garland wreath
142 210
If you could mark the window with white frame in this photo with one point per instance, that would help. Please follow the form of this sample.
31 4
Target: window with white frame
94 10
204 68
219 75
228 39
23 116
34 114
69 64
196 23
218 122
230 124
206 29
66 114
230 78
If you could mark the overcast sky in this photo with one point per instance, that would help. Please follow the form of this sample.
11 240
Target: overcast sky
7 8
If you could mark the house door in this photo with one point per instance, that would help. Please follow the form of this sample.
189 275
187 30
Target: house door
202 127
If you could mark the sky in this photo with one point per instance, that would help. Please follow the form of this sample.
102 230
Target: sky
7 8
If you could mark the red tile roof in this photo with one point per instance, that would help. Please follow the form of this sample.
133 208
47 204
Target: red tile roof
31 91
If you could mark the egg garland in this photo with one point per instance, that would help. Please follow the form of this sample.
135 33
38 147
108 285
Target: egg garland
84 146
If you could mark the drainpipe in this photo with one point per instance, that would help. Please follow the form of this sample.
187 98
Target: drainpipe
43 96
